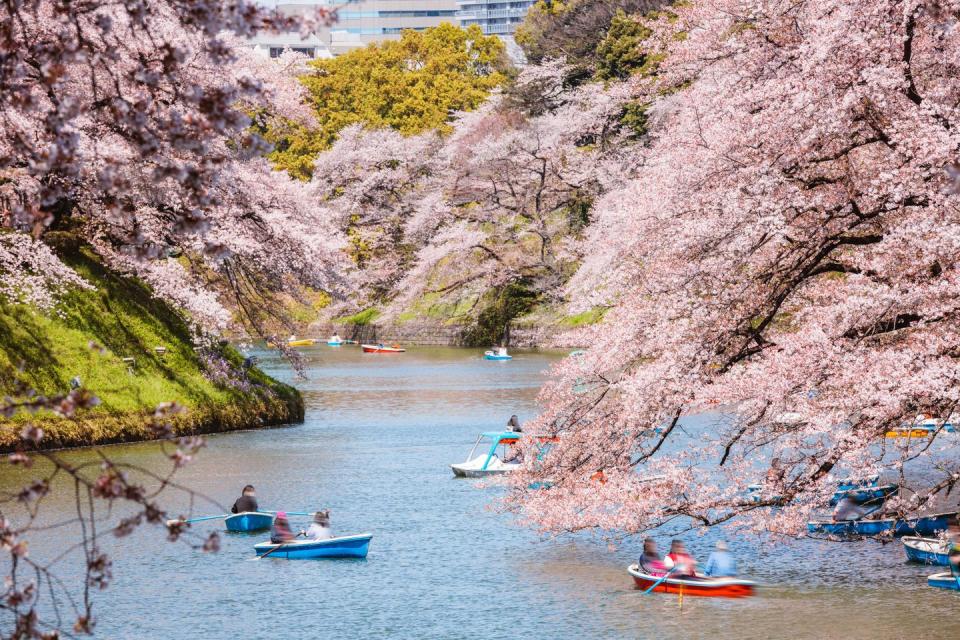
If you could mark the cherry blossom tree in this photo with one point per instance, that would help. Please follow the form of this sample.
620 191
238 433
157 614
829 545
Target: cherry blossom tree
788 252
129 124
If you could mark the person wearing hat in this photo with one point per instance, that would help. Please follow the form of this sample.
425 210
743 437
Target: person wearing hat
280 531
721 564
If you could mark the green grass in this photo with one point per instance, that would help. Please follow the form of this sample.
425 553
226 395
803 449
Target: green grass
590 316
361 318
122 319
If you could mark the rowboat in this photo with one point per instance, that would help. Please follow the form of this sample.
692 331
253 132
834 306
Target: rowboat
292 342
489 463
926 550
334 341
945 580
379 348
344 547
694 586
925 526
499 354
864 495
249 521
862 491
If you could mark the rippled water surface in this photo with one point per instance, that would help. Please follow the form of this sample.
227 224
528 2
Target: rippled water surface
379 434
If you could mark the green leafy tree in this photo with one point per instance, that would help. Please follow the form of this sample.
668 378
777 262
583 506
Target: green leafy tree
412 85
620 52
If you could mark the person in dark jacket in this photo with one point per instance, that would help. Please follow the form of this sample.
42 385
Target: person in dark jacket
280 531
513 424
247 501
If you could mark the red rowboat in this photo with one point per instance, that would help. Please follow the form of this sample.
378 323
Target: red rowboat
379 348
709 587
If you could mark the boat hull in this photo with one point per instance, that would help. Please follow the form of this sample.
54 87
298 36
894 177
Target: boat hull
369 348
343 547
926 526
489 355
462 472
249 521
926 551
945 580
702 587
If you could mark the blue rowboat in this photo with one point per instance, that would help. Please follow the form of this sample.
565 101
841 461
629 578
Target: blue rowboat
330 343
926 550
945 580
249 521
344 547
496 355
925 526
864 495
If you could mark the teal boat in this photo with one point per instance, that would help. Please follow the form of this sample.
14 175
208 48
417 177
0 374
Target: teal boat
926 550
488 463
249 521
355 546
945 580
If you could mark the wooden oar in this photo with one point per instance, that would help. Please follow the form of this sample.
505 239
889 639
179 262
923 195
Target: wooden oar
291 513
279 546
665 576
192 520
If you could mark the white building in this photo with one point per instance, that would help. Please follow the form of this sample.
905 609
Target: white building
495 18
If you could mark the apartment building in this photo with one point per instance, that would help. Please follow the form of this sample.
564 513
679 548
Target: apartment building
495 18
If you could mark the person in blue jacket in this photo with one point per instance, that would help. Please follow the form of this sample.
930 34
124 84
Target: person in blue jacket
720 564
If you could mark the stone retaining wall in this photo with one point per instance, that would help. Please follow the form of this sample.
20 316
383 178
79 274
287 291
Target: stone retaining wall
418 333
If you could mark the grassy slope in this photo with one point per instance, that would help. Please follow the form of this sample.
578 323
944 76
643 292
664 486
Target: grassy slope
47 350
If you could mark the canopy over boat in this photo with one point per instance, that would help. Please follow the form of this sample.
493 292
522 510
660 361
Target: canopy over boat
489 463
379 348
945 580
694 586
926 550
354 546
249 521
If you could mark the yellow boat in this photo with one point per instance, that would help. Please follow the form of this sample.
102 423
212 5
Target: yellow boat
305 342
909 433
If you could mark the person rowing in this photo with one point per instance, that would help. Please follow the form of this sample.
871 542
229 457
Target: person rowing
247 501
650 562
280 531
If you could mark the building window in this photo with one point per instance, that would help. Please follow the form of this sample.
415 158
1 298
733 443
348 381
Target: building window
307 51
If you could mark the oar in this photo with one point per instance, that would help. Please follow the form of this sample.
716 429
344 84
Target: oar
291 513
192 520
665 576
279 546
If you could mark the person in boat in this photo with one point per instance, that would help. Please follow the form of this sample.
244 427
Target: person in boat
679 560
319 529
513 424
720 564
650 561
280 531
335 338
246 502
849 509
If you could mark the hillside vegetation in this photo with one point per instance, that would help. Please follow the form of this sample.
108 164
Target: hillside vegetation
90 333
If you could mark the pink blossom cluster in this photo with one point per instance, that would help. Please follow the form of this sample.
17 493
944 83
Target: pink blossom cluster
784 258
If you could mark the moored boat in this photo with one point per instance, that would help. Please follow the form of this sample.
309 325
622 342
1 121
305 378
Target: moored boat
248 521
694 586
500 353
489 463
945 580
924 526
355 546
380 348
864 495
926 550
